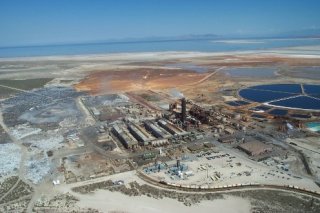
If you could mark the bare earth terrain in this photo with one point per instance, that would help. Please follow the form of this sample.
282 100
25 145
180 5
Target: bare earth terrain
106 133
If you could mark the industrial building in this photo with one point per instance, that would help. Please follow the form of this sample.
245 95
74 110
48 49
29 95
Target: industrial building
255 148
156 130
95 111
183 110
159 142
229 131
171 128
132 134
227 139
140 134
124 136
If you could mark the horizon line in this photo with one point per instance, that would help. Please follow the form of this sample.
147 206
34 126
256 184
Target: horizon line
156 39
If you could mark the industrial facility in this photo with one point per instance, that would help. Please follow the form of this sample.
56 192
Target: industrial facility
125 137
255 148
137 126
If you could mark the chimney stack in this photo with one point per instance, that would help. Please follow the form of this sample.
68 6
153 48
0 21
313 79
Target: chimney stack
183 110
178 164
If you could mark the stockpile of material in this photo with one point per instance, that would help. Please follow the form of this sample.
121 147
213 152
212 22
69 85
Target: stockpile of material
37 168
10 157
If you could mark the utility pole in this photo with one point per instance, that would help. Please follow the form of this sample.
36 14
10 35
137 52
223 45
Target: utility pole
207 172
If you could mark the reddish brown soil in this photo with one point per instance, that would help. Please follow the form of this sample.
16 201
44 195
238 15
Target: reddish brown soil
102 82
189 82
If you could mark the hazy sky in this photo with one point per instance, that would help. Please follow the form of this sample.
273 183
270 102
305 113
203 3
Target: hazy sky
55 21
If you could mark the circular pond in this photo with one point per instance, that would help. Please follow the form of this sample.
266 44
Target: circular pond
289 96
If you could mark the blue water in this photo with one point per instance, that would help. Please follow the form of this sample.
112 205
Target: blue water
262 95
285 88
272 92
237 103
258 116
261 107
302 102
278 112
312 89
314 126
153 46
300 116
316 95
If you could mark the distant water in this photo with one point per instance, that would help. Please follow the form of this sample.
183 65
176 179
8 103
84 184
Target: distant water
256 72
155 46
188 66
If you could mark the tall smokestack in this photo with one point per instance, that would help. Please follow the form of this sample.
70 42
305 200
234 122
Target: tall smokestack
183 110
178 164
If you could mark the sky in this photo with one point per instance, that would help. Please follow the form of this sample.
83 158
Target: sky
29 22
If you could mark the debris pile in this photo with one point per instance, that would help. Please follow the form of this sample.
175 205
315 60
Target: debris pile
10 157
37 168
47 141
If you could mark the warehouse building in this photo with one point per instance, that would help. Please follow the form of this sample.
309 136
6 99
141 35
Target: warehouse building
171 128
255 148
227 139
124 136
156 130
140 134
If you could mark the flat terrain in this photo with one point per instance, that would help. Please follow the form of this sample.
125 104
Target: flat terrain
137 79
127 77
11 87
58 145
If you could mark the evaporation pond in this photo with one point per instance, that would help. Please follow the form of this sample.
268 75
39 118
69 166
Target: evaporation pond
314 126
252 72
188 66
262 96
300 116
278 112
289 88
312 89
302 102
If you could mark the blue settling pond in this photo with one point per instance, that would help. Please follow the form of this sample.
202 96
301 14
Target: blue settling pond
289 88
278 112
301 102
261 107
258 116
262 96
312 89
297 96
300 116
314 126
237 103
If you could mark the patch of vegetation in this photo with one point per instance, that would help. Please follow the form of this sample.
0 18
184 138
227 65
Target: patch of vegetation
18 206
5 92
7 184
269 201
92 187
27 84
22 189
